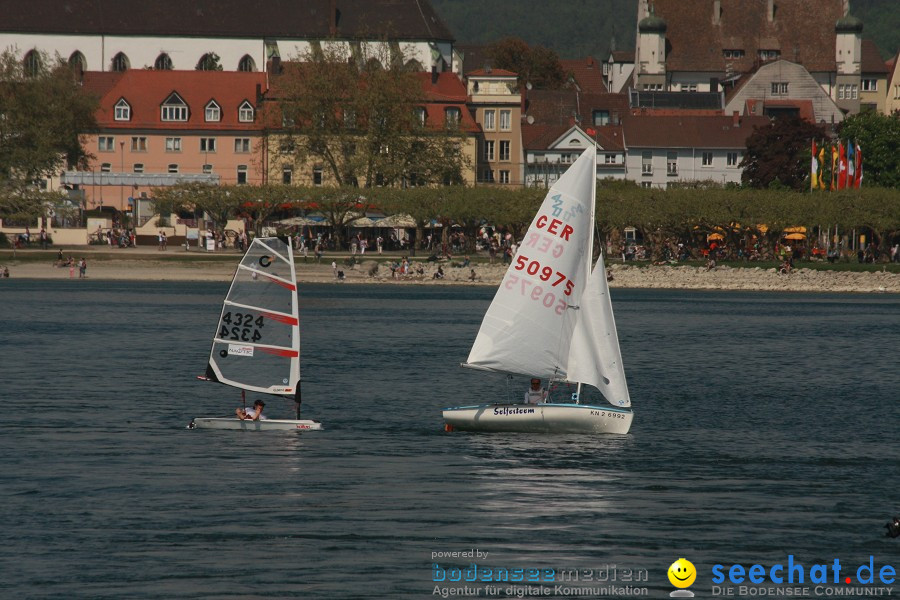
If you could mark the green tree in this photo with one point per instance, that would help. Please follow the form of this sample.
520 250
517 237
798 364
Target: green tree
363 119
43 114
878 136
219 203
537 65
779 154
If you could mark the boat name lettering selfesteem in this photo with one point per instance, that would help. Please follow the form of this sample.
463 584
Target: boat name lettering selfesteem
506 410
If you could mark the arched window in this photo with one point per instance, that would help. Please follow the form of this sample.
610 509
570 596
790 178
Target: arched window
413 66
32 63
373 64
78 63
120 62
247 64
209 62
163 62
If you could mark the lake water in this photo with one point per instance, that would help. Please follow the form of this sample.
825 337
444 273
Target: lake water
766 426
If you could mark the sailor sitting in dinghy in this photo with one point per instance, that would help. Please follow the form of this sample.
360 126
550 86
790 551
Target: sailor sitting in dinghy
535 393
251 414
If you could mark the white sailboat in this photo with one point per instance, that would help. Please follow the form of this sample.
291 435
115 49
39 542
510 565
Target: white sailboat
552 318
256 347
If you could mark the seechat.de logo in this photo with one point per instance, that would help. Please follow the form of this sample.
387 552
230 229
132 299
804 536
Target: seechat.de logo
682 575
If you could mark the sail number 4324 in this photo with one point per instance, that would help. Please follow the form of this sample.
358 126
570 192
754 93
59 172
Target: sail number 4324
241 326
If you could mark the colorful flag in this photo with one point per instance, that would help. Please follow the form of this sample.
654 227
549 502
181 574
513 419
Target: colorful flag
859 173
822 166
851 165
814 169
834 166
842 173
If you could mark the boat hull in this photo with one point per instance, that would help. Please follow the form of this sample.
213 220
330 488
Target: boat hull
540 418
247 425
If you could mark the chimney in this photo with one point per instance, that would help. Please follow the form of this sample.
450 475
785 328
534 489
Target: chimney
770 10
735 119
333 16
434 74
258 93
717 12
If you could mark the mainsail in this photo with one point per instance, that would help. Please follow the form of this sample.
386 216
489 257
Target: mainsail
546 319
257 341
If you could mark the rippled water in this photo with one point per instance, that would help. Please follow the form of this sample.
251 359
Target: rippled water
765 426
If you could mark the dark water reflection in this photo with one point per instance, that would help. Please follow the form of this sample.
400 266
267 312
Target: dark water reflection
765 426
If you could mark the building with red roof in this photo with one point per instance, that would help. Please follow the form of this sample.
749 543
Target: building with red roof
160 128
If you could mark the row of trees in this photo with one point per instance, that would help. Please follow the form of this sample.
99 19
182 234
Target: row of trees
685 215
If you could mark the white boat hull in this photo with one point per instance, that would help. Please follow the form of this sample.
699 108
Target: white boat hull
540 418
247 425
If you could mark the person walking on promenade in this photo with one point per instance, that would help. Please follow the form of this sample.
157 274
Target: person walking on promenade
82 269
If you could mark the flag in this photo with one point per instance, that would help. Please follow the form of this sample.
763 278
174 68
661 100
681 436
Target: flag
822 166
834 163
859 173
851 165
814 169
842 173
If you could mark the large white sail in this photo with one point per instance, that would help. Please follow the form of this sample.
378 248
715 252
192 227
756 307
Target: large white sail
257 341
594 355
528 327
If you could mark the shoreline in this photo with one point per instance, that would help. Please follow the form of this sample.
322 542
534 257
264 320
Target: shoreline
146 267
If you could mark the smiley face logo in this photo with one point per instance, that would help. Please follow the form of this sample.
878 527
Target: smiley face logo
682 573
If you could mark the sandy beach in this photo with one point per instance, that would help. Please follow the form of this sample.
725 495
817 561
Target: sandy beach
136 265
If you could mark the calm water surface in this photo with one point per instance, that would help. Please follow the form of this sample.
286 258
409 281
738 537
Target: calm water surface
766 425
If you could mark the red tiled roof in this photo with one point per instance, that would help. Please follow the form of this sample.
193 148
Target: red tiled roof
447 87
802 30
804 108
871 62
146 90
623 56
491 73
539 137
588 74
689 131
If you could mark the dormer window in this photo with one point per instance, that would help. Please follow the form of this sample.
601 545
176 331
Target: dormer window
123 110
452 116
174 109
213 112
769 54
245 112
731 53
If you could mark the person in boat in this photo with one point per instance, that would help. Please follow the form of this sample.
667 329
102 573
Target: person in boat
535 393
251 414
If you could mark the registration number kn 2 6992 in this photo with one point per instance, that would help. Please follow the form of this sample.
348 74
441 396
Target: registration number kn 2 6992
606 414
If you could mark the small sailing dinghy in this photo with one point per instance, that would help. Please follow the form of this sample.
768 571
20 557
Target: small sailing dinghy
257 343
552 318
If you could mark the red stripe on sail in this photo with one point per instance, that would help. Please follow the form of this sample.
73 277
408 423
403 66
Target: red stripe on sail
284 284
279 352
287 320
